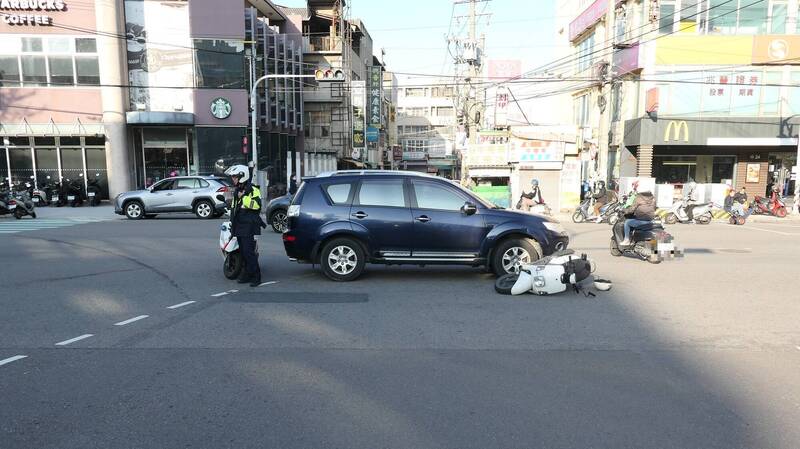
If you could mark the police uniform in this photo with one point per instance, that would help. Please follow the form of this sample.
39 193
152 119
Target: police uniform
246 223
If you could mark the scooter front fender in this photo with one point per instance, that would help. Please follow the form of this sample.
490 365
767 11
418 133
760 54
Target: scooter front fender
523 285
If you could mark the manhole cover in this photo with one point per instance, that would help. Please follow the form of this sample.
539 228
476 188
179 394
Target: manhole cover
299 297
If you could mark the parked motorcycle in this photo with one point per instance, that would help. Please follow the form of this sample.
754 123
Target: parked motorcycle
549 275
93 191
75 194
24 203
768 206
701 212
608 212
7 202
58 197
649 242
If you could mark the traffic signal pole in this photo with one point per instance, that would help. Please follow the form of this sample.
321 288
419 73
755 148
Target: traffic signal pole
254 115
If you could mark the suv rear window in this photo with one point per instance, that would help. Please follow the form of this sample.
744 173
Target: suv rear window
339 193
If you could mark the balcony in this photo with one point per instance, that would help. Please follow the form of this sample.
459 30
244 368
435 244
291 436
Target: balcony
321 44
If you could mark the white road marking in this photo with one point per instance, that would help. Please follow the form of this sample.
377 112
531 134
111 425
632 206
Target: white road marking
268 283
136 318
181 304
232 291
217 295
73 340
12 359
765 230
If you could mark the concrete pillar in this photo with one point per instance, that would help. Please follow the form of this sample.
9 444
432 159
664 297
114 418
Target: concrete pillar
110 18
644 161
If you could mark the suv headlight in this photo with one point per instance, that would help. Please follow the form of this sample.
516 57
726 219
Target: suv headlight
294 211
554 226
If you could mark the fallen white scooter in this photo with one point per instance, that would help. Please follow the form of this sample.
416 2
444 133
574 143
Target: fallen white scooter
551 275
229 244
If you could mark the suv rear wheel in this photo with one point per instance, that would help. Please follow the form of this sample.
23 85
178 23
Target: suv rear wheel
511 254
342 259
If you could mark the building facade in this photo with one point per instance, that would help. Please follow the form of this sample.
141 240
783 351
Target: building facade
426 126
691 90
139 90
332 40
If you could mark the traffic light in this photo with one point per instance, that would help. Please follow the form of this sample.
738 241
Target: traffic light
329 74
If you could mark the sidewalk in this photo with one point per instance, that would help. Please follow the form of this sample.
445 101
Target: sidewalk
104 211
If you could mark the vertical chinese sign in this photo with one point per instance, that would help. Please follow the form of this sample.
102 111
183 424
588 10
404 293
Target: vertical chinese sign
375 96
358 100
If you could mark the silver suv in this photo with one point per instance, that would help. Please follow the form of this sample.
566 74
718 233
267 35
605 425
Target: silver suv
197 194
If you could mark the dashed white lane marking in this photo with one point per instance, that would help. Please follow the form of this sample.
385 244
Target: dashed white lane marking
232 291
181 304
12 359
73 340
217 295
136 318
268 283
765 230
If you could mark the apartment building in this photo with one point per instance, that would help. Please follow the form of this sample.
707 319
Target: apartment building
140 90
332 40
426 124
691 89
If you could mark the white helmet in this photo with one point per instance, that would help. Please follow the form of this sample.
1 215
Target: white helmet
239 171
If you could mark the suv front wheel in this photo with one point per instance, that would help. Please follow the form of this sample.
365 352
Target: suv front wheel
342 259
511 254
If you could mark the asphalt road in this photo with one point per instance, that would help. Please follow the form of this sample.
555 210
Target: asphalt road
701 352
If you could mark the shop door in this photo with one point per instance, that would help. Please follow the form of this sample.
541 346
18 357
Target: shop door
160 163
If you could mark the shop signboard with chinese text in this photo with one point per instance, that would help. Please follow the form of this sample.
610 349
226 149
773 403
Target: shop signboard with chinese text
358 99
375 97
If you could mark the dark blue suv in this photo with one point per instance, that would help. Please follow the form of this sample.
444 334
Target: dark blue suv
345 219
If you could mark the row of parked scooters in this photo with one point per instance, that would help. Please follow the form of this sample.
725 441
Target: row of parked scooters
22 198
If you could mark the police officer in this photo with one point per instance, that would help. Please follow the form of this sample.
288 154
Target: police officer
246 222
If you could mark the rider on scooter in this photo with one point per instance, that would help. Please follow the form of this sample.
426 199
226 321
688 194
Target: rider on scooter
690 199
600 196
643 211
532 198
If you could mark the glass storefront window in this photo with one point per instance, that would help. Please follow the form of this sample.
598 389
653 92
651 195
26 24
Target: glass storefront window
722 17
674 169
71 163
794 95
96 168
34 71
9 71
3 167
666 17
59 45
21 164
753 17
777 17
88 70
31 44
219 63
46 164
771 102
61 70
85 45
219 148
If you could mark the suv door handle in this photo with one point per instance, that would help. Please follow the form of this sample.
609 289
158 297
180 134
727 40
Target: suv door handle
360 214
423 218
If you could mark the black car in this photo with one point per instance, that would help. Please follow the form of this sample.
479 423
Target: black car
348 218
276 212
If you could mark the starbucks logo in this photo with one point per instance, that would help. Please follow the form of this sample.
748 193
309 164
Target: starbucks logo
220 108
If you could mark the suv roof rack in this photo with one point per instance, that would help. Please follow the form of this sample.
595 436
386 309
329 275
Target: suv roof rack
371 172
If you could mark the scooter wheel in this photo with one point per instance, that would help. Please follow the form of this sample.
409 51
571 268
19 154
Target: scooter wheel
505 283
614 248
234 263
780 212
578 217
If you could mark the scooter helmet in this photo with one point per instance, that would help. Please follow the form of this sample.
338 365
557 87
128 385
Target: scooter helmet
774 188
603 285
534 182
238 171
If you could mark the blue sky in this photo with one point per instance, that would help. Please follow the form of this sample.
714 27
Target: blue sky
413 31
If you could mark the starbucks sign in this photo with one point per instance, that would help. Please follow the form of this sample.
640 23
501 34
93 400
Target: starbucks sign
220 108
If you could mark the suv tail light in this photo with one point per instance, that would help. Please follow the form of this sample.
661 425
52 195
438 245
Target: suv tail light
222 189
294 211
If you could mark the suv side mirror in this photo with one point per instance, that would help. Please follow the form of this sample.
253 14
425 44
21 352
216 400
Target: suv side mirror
469 208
